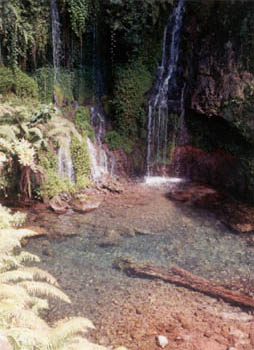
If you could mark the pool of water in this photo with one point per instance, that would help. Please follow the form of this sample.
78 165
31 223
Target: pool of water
146 226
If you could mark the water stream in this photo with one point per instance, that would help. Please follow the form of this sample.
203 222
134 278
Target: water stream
102 160
65 165
163 99
56 37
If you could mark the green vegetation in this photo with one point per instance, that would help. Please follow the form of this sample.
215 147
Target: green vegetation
133 80
82 122
51 183
17 82
24 292
81 162
115 141
29 142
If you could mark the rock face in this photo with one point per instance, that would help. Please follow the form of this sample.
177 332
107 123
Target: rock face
218 50
232 213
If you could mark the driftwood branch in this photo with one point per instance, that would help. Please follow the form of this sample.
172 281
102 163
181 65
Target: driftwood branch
183 278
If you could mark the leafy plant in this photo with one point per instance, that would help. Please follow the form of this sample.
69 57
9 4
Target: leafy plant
22 292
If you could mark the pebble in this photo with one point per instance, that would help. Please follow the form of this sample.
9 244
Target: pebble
162 341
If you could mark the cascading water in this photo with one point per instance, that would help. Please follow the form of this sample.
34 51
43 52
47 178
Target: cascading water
164 99
56 37
102 160
65 165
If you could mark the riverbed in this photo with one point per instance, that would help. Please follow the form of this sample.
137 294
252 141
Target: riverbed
144 225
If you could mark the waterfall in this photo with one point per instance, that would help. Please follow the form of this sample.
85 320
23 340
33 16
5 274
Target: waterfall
65 165
56 37
165 90
102 160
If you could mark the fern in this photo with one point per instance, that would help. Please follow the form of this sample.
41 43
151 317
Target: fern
20 305
66 329
41 288
27 257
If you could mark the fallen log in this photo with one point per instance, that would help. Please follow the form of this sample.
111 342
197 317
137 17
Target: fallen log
183 278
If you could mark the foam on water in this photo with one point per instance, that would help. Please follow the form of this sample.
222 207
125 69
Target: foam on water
160 180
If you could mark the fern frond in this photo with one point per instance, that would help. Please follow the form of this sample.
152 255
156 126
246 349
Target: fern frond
14 292
27 257
17 234
7 245
27 273
24 128
9 132
8 262
41 288
19 316
66 329
36 131
27 339
37 273
15 275
38 304
79 343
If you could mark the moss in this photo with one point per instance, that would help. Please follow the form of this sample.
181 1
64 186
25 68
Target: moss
52 184
82 122
17 82
115 140
81 162
62 91
133 80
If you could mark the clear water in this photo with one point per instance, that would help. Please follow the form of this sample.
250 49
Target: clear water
150 228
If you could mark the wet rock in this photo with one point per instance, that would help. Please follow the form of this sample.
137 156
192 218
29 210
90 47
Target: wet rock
85 205
129 231
143 232
47 251
231 212
112 185
4 343
59 204
111 238
162 341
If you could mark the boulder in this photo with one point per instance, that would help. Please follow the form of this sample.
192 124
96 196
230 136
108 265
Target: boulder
85 205
59 205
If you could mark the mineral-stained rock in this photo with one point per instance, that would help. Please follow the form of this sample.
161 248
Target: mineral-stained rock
59 205
85 205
